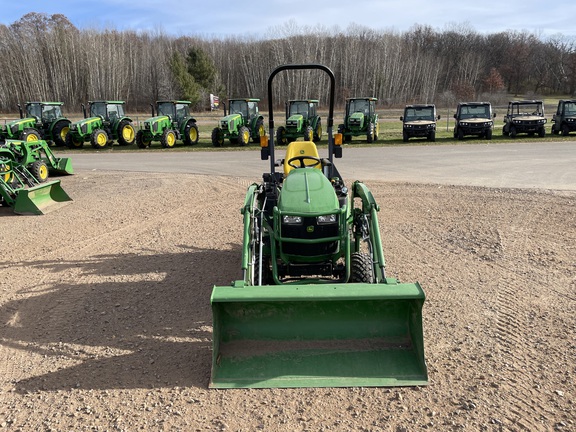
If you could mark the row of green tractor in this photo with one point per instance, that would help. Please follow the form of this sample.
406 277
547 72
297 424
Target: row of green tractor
245 123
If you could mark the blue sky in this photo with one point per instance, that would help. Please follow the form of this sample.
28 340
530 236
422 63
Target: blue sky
262 18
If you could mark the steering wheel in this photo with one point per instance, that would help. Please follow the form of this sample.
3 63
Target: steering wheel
301 159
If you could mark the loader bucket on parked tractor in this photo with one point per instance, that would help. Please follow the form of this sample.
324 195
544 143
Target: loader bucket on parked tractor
63 166
41 199
318 335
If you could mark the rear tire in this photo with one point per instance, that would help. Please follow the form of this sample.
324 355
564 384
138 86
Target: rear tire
309 134
60 132
260 131
126 133
191 134
370 134
39 170
361 269
318 131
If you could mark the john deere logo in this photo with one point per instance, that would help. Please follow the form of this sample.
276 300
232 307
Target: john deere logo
310 228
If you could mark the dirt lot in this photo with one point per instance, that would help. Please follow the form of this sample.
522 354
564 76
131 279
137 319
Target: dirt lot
105 321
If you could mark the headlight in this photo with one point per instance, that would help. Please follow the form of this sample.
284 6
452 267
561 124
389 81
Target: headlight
292 220
327 219
463 123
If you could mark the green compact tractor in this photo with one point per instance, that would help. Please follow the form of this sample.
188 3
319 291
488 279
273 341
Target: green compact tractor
41 121
314 307
242 124
360 119
419 121
302 120
564 121
24 167
171 122
474 118
107 122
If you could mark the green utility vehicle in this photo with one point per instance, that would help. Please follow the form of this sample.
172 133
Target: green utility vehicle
40 121
302 121
419 121
360 119
243 123
525 116
24 169
107 122
564 121
314 307
474 118
171 122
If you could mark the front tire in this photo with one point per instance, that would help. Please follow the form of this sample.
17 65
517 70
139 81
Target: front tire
72 142
361 269
99 139
39 170
281 138
243 136
141 140
217 137
30 135
168 138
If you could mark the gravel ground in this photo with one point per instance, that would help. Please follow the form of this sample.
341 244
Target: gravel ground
105 322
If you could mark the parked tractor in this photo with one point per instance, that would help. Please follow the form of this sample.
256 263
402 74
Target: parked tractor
24 167
564 121
360 119
314 306
40 121
242 124
302 121
171 122
419 121
474 118
107 123
525 116
37 158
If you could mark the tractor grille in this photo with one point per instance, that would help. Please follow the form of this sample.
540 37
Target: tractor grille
309 230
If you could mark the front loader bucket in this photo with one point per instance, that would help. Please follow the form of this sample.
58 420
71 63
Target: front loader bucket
64 166
329 335
41 199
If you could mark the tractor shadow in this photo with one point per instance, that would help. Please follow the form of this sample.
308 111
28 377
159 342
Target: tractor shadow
129 321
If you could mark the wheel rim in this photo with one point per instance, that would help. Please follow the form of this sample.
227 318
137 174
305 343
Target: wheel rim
245 136
128 133
261 131
101 139
64 132
43 172
32 137
170 139
193 135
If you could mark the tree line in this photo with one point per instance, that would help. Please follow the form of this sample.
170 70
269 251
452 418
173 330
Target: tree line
47 58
